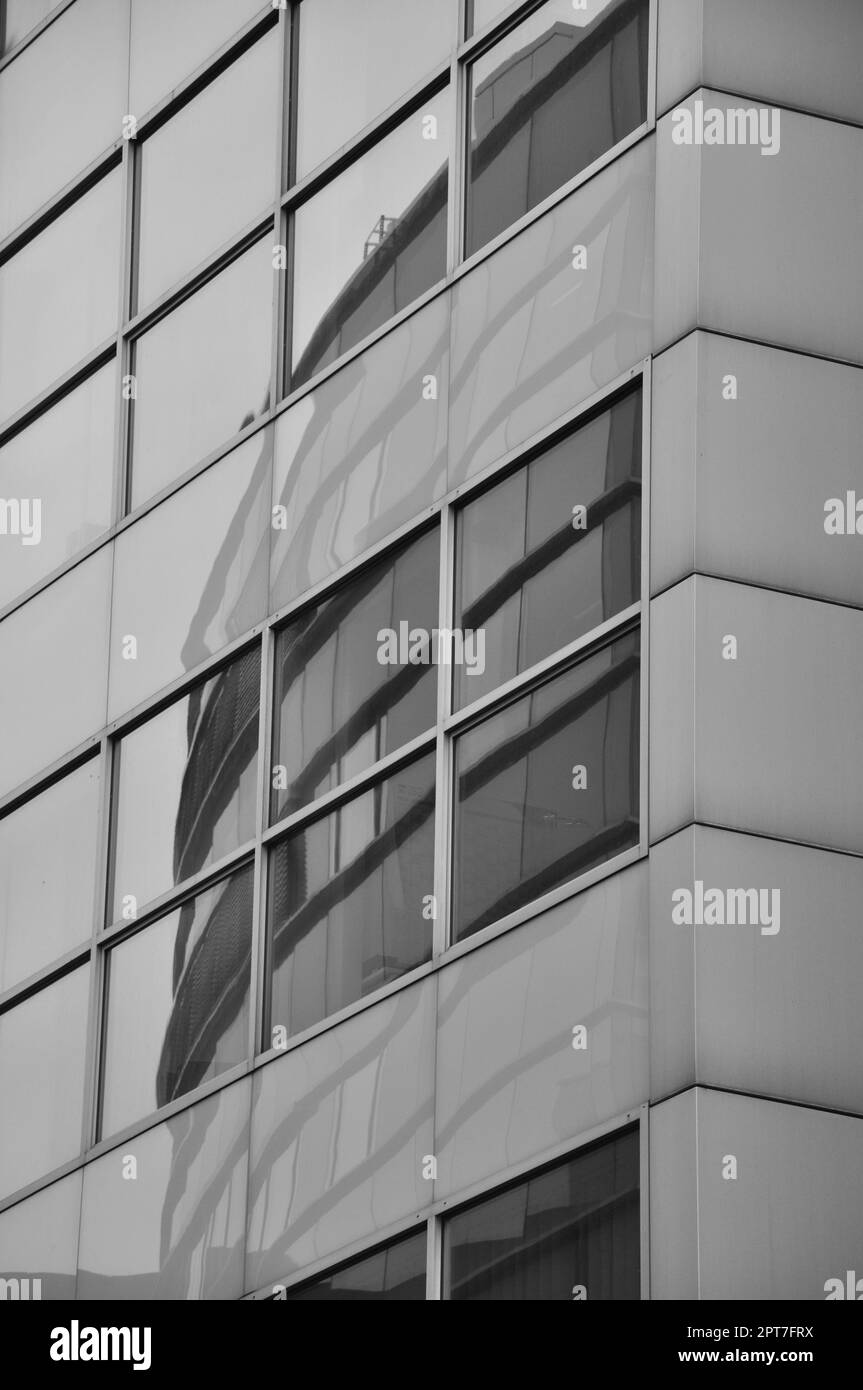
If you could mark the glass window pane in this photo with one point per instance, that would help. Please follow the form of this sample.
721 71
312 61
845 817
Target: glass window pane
19 17
170 41
203 372
574 1226
357 60
484 11
60 470
346 695
62 103
48 874
396 1273
42 1045
178 1002
527 578
371 241
196 193
549 99
348 896
186 785
49 318
523 827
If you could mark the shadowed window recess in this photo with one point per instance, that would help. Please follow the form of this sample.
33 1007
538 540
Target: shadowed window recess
178 1001
396 1273
570 1233
185 785
350 905
547 787
546 101
340 708
553 550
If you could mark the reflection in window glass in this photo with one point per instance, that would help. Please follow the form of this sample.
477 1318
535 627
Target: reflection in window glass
348 898
342 704
170 40
61 104
523 826
574 1226
396 1273
51 318
372 240
357 60
64 462
203 372
18 17
48 875
555 93
42 1046
186 784
526 576
178 1002
197 193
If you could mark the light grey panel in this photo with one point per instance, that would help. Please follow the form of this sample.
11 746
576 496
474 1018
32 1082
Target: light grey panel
340 1128
673 463
192 574
780 1014
762 466
169 41
674 1198
678 214
53 691
672 710
787 51
48 133
679 42
510 1085
531 336
171 1224
776 265
362 454
39 1239
775 744
793 1218
672 970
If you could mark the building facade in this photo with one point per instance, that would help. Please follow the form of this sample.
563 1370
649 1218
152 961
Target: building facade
431 573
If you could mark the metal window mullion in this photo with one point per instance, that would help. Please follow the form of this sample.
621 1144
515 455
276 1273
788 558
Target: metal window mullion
443 745
259 962
95 1008
644 634
455 181
434 1259
123 408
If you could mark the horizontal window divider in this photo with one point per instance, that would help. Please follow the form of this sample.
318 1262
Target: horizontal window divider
315 810
748 99
178 294
34 33
26 988
167 1112
555 664
496 29
179 894
44 778
166 695
110 158
336 163
60 387
211 68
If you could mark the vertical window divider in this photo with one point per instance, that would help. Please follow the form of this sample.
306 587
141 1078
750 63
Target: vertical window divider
458 146
644 625
443 746
644 1198
434 1259
95 1006
259 998
284 174
123 406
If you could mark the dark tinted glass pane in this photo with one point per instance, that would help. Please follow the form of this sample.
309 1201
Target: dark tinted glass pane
372 240
551 97
522 828
533 574
573 1228
348 896
396 1273
186 785
178 1002
341 704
